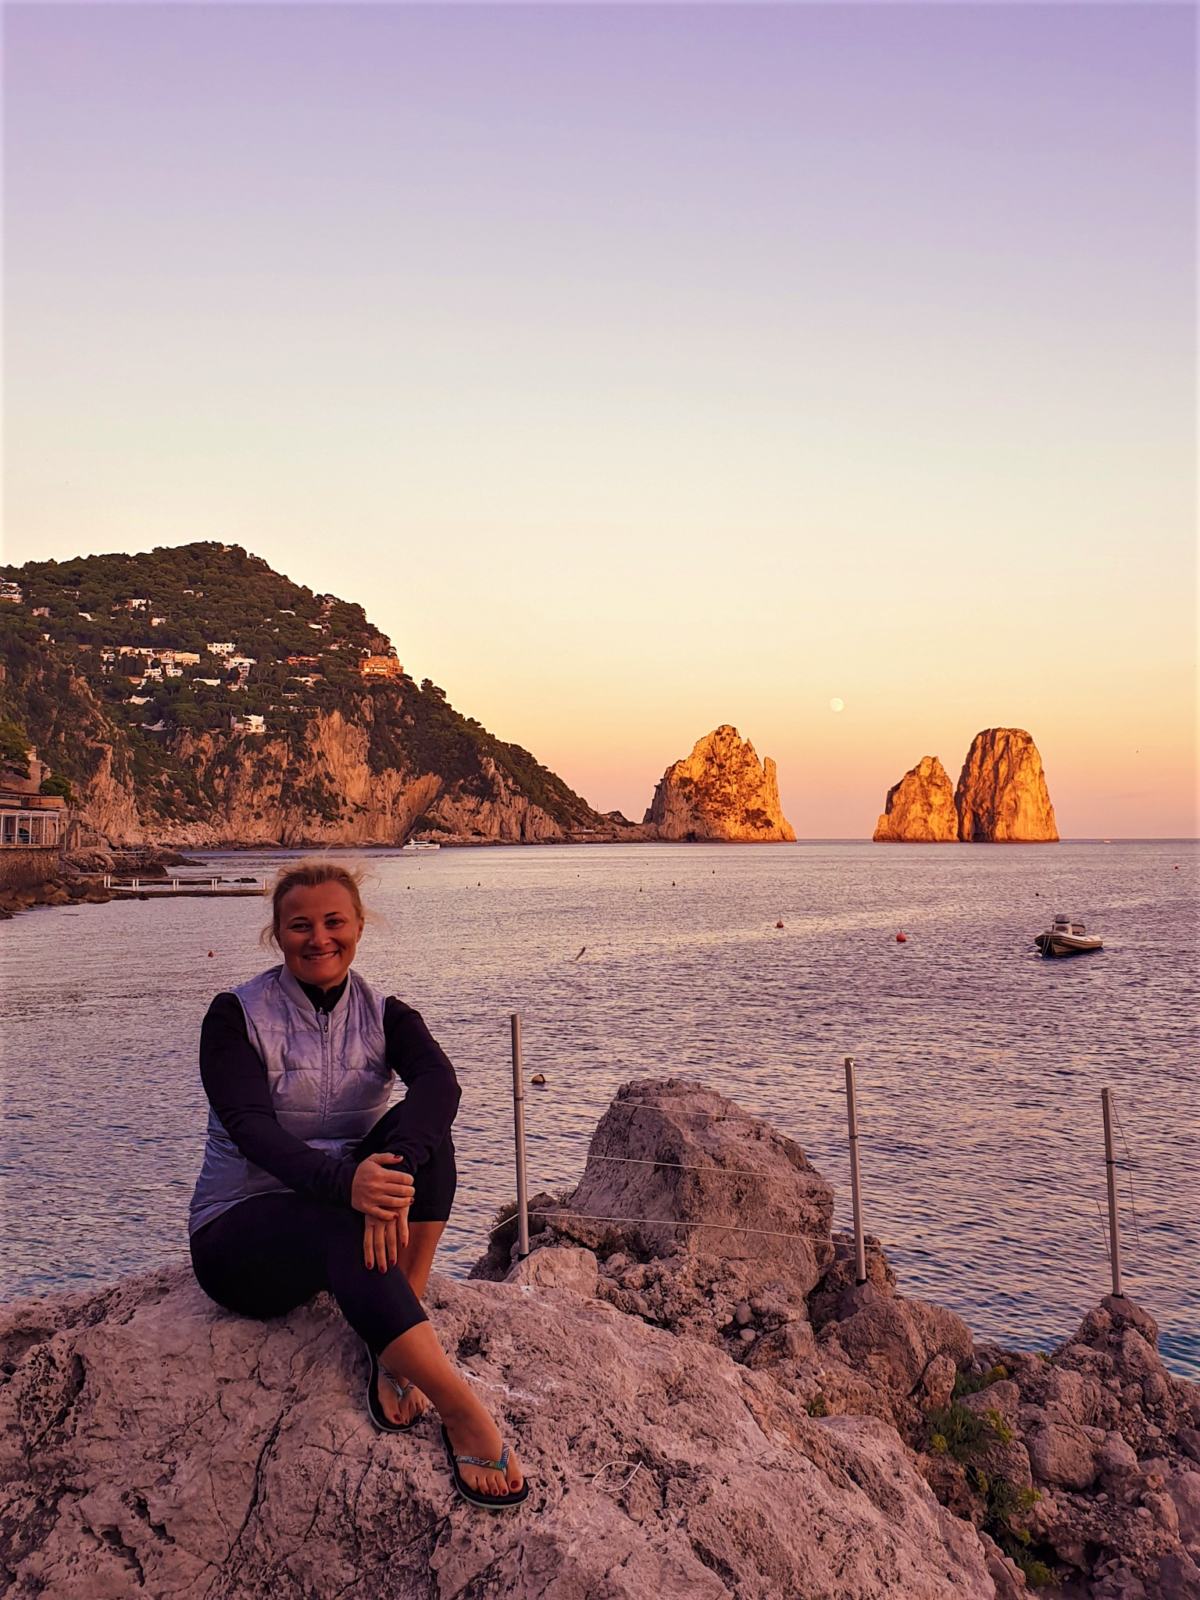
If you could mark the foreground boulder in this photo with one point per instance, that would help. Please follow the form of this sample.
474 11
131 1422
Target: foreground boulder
721 791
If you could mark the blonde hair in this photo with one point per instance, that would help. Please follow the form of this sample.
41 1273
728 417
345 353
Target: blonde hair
309 874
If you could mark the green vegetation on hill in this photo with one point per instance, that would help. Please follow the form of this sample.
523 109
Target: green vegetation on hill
91 676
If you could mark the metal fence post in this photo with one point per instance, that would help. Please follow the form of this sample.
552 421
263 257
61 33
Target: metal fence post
860 1245
519 1137
1110 1166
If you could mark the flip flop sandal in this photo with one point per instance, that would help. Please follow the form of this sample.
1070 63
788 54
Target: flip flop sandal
381 1421
489 1502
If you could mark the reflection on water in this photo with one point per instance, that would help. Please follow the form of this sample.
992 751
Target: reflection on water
980 1064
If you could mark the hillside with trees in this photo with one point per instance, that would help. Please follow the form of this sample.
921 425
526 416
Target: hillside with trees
194 695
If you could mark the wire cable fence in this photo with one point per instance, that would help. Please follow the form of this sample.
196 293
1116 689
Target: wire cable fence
523 1212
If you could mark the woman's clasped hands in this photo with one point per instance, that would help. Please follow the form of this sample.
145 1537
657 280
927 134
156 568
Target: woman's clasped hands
383 1192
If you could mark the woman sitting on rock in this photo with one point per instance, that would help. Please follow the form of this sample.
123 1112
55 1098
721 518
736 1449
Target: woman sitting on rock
310 1183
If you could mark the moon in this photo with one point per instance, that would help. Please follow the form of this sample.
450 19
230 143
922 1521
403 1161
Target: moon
837 705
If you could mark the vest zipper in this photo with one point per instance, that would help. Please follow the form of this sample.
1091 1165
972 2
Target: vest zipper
326 1067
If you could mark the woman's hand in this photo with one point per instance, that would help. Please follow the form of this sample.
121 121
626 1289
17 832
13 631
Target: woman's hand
380 1191
383 1242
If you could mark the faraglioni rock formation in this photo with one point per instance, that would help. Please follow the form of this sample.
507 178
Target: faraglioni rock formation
920 808
1002 796
749 1422
721 792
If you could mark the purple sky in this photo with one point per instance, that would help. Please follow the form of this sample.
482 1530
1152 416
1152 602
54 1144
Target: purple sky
724 359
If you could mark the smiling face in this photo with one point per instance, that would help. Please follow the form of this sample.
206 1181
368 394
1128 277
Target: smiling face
318 933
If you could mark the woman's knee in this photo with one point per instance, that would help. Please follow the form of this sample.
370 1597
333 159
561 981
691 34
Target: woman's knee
435 1183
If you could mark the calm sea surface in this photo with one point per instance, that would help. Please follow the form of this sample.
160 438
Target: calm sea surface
980 1070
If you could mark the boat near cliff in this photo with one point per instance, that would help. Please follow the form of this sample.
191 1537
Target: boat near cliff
1067 938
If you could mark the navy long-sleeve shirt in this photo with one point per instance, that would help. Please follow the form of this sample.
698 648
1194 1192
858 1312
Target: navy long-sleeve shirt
235 1081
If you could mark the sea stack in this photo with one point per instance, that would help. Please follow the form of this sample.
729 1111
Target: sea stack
920 808
721 791
1002 796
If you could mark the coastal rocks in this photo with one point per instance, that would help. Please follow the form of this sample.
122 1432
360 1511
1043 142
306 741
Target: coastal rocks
707 1402
1082 1464
920 808
1106 1429
722 792
893 1341
1001 795
494 809
574 1270
154 1444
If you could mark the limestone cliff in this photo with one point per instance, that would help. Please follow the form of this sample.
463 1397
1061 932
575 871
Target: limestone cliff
1002 796
194 697
920 808
721 791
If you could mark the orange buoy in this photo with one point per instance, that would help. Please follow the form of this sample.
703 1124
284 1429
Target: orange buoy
210 952
779 924
901 938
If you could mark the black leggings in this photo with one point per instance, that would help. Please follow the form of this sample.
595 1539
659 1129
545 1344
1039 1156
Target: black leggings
267 1255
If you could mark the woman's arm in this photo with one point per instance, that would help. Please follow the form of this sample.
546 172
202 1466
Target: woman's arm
422 1119
235 1081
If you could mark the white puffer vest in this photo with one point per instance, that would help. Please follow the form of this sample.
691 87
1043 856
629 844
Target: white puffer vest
328 1074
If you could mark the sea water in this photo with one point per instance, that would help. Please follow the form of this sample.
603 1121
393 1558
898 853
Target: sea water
980 1064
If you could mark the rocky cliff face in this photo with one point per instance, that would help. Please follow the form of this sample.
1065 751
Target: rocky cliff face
1002 796
326 788
721 791
749 1421
920 808
194 697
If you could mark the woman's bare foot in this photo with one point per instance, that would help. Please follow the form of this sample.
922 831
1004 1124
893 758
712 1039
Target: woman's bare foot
473 1433
402 1410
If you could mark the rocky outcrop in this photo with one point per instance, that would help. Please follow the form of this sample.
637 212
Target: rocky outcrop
1081 1464
155 1446
1002 796
721 791
920 808
748 1421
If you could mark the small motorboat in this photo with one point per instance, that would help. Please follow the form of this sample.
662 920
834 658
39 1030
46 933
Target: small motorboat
1067 938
